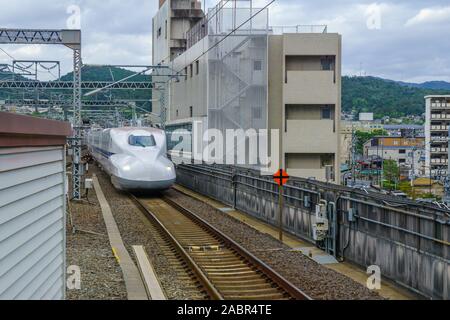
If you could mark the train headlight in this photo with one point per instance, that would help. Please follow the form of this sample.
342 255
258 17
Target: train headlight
126 168
169 169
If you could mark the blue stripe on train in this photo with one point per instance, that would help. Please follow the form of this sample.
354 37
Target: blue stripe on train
104 153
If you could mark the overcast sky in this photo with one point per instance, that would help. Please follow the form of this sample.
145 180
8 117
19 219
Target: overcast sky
402 40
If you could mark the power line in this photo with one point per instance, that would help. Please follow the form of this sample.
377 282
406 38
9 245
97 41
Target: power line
231 32
27 67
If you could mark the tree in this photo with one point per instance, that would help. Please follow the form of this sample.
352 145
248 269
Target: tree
363 136
391 174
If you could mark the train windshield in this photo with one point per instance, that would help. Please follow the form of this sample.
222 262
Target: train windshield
142 141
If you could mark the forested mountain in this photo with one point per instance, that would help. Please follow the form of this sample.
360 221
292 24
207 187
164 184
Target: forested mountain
92 73
383 97
435 85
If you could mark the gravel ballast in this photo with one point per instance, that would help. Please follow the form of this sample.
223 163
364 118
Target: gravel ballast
89 249
314 279
135 229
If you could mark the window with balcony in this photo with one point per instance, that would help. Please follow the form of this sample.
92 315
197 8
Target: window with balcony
310 112
310 63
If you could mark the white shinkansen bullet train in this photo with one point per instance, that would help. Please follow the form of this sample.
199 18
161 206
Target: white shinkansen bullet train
135 158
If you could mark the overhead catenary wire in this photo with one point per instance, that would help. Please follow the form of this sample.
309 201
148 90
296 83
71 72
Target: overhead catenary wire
23 68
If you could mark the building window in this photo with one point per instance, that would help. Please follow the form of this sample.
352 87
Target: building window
185 73
177 113
257 65
401 160
402 151
327 63
326 113
165 31
159 32
191 71
191 112
256 113
197 67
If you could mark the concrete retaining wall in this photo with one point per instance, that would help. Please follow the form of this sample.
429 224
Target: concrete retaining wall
409 243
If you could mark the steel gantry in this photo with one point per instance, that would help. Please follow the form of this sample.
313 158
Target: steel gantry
63 102
68 85
72 40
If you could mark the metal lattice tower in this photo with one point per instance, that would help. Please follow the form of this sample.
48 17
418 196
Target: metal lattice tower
77 124
163 107
72 40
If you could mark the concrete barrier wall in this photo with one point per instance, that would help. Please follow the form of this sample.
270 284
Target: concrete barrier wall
409 243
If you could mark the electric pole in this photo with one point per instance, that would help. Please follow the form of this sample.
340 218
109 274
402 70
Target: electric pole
447 177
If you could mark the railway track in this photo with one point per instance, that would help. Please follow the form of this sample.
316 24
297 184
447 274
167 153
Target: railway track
224 269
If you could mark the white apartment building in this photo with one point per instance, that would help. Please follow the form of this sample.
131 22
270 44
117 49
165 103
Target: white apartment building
437 120
260 78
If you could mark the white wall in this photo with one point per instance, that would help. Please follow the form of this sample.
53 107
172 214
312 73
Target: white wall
32 223
160 46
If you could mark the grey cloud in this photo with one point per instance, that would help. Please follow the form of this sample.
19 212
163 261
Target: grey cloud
117 31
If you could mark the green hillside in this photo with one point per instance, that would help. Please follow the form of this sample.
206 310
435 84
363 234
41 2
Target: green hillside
92 73
383 97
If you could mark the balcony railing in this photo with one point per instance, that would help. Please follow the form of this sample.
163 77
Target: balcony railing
439 128
440 105
299 29
439 161
439 150
440 116
439 139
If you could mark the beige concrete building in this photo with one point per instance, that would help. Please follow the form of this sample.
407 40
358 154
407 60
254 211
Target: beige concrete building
259 79
304 101
170 24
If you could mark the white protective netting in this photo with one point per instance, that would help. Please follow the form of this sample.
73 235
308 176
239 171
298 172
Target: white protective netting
238 71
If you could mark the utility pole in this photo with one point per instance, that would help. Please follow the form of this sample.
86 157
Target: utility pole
382 163
447 177
413 174
353 154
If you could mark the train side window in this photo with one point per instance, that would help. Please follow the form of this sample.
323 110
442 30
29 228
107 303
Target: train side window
142 141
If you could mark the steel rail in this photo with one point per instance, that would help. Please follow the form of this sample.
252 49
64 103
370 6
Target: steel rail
284 284
209 287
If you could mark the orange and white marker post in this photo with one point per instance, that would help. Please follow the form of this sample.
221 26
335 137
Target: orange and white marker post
281 178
